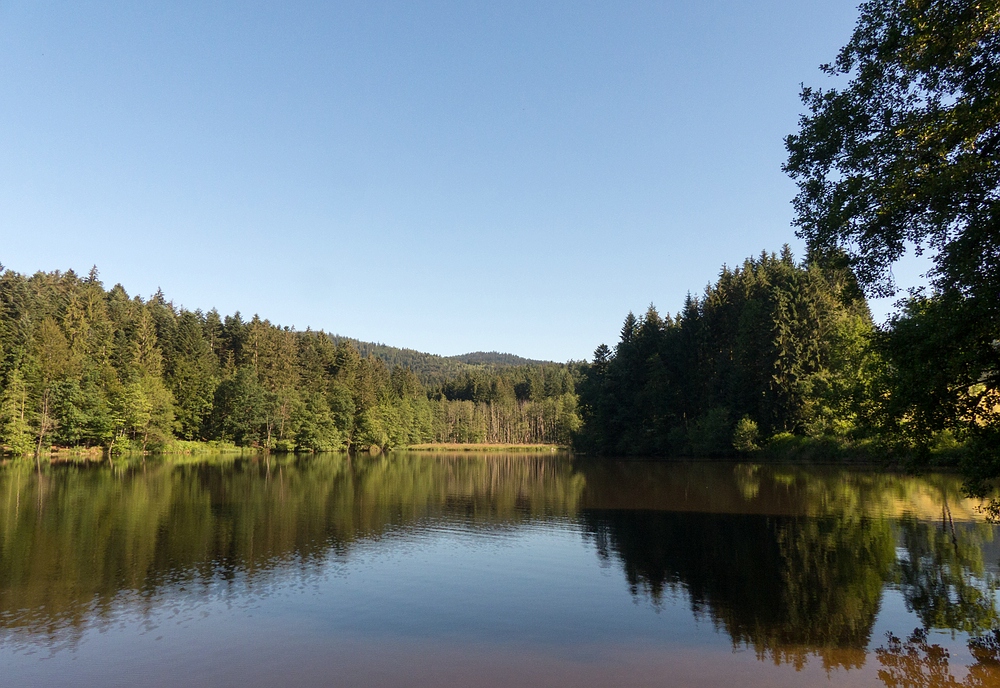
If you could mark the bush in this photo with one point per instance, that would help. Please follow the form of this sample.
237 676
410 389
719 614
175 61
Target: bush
746 435
284 446
711 434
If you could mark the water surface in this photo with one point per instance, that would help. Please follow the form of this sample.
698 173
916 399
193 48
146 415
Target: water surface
425 569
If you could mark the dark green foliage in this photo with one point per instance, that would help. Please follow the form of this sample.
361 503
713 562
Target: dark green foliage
904 155
941 390
85 367
780 345
239 413
936 352
317 428
192 373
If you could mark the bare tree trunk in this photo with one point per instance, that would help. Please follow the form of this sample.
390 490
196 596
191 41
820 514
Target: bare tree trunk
42 424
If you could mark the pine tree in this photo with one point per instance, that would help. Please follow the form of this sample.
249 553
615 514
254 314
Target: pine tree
15 431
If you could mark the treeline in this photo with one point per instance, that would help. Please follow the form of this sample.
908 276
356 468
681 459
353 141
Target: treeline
431 369
81 366
783 354
897 153
495 358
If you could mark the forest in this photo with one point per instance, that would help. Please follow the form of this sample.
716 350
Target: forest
432 369
784 357
778 355
773 351
895 157
86 367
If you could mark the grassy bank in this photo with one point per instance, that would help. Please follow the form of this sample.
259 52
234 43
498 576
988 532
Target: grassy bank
482 447
200 447
173 448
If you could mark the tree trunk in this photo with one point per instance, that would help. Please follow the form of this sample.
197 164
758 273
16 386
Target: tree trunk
42 423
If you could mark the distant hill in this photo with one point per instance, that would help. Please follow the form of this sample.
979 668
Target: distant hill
495 358
433 369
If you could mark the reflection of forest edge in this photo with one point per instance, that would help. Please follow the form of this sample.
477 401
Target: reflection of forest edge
74 538
791 561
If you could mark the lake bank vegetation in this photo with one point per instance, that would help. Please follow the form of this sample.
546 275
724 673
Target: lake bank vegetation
778 359
772 349
483 447
897 156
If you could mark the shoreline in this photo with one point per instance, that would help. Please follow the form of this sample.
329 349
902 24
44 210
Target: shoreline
480 447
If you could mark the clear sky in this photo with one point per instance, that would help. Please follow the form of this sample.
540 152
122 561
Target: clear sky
445 176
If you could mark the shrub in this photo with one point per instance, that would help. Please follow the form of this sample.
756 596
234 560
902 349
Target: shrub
746 435
711 434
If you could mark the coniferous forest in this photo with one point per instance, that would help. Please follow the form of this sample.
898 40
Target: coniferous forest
783 357
773 350
777 356
85 366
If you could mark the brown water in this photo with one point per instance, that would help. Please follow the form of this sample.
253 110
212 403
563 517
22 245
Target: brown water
497 570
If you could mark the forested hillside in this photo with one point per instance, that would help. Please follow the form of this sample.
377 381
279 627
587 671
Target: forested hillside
496 358
774 354
82 366
431 369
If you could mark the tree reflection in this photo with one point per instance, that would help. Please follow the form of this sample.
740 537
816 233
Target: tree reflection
916 663
788 563
943 576
76 542
789 585
786 586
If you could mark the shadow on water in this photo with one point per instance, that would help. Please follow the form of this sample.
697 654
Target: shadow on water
790 562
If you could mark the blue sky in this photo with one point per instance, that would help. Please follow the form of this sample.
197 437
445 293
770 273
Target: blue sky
446 176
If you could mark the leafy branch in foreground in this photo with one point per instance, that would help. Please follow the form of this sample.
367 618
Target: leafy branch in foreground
906 155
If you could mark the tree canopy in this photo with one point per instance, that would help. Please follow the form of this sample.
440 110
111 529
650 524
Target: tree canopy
772 347
82 366
903 152
906 152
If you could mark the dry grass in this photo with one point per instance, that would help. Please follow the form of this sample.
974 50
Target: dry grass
482 447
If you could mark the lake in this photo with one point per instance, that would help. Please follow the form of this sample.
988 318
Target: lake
420 569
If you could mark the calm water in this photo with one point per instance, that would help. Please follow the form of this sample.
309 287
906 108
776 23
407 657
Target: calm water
441 570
